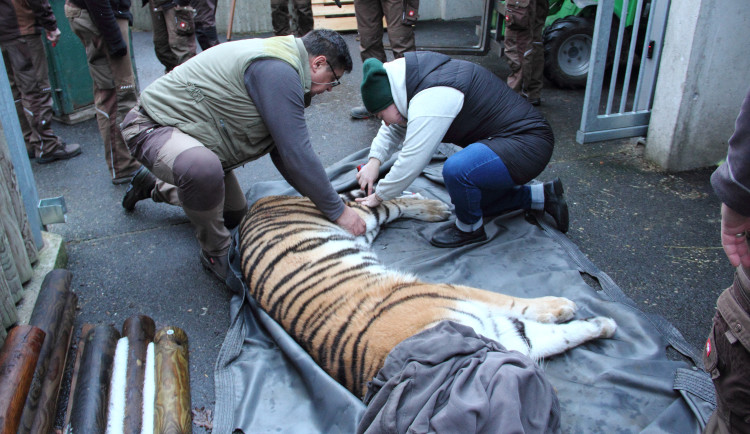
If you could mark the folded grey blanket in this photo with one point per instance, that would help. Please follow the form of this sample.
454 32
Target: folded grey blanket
458 381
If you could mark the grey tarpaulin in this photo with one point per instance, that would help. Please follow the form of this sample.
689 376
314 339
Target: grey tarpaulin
265 382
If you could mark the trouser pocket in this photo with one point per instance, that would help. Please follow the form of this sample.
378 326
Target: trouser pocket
184 24
517 15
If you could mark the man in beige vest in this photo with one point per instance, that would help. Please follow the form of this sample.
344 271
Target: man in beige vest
223 108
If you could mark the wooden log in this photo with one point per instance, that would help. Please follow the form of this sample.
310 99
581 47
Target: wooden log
47 315
8 312
45 415
172 410
140 331
3 335
9 180
85 329
17 362
8 262
91 399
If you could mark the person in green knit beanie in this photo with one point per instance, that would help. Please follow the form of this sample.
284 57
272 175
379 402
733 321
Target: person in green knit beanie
425 99
375 88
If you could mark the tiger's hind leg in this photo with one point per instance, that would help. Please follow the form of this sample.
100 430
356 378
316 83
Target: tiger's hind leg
541 309
546 340
416 206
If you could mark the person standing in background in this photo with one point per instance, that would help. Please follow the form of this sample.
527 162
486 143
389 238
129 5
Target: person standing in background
173 26
280 17
205 23
400 16
21 24
102 27
524 48
726 355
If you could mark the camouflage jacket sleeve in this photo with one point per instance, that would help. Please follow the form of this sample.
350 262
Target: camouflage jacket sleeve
731 181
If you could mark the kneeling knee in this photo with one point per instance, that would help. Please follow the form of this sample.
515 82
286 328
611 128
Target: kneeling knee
200 178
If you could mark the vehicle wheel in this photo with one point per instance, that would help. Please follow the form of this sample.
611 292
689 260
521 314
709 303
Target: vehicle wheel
567 50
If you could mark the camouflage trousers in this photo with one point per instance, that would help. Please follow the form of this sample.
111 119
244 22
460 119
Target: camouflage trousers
524 22
726 357
280 17
370 14
26 64
114 89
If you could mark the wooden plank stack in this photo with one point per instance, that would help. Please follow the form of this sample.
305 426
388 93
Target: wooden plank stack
137 381
37 385
329 16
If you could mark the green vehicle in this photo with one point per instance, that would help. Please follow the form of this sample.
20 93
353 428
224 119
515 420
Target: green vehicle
568 38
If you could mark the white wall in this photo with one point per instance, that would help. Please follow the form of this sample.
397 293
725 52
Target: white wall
703 77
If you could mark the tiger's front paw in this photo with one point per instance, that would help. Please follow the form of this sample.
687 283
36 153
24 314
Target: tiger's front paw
607 326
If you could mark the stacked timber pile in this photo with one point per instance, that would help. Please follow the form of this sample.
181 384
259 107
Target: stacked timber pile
32 360
329 16
17 249
136 381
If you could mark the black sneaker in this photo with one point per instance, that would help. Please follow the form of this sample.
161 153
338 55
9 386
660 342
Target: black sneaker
218 266
555 204
140 188
451 236
63 153
359 113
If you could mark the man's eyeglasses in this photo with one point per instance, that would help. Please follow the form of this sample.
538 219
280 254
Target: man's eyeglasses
336 77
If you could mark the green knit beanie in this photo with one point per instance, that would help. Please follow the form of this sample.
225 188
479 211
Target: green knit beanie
376 89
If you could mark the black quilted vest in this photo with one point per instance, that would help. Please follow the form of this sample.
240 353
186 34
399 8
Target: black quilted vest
492 113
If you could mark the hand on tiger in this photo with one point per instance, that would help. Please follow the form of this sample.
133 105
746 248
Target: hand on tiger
368 174
372 200
352 222
735 246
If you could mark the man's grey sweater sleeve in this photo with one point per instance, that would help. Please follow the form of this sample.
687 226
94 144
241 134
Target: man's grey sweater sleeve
275 88
731 181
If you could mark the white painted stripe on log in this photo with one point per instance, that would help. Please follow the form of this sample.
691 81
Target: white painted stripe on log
149 391
116 413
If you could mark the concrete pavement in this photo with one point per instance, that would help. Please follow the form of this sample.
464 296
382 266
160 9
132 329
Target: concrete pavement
655 234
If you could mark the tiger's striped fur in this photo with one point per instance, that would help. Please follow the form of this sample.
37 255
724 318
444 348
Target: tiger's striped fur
333 296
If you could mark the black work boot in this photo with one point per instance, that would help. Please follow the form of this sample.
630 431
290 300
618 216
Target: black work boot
555 204
64 152
140 188
451 236
217 266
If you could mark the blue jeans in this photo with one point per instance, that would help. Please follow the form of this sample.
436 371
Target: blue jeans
480 184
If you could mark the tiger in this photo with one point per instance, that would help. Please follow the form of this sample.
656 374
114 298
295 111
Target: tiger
330 292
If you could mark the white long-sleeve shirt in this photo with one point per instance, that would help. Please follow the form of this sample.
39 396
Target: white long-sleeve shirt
429 114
